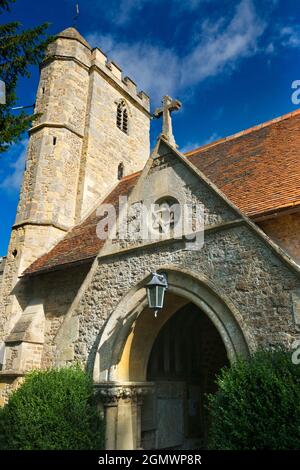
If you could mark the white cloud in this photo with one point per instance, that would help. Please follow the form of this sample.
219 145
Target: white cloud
15 168
290 36
270 49
219 113
158 70
194 145
189 146
222 48
212 138
121 12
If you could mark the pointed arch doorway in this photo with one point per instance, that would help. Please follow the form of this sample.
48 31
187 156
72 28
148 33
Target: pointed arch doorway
185 358
153 373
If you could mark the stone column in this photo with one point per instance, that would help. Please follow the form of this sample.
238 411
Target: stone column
122 410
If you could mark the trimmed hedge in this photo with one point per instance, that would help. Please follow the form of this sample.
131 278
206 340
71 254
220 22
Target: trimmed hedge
257 405
52 409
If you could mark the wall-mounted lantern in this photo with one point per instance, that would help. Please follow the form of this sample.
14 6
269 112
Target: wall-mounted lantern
156 291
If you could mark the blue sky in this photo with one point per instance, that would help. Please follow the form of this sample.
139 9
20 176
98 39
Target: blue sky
230 62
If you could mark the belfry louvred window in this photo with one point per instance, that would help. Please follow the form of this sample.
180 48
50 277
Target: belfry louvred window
122 117
125 121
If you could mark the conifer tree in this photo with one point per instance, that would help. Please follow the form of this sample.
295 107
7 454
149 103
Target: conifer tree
19 49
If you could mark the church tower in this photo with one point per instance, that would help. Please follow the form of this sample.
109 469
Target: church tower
93 129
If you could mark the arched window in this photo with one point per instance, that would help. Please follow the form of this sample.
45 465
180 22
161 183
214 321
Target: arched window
122 117
120 171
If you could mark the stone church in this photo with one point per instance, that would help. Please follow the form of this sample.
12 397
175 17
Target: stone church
68 295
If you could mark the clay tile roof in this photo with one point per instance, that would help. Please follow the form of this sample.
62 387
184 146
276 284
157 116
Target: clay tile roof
258 170
72 33
81 243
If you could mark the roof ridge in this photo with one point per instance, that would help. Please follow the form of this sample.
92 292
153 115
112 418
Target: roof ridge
243 132
227 138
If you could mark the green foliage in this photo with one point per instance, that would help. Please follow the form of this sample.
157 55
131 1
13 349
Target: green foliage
5 4
53 409
19 49
257 405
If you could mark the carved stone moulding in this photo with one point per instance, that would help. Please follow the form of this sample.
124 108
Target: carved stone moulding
109 393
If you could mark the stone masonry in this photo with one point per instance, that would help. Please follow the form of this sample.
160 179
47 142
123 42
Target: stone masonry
236 258
73 154
92 308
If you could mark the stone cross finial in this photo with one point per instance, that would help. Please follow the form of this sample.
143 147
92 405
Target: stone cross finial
168 105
